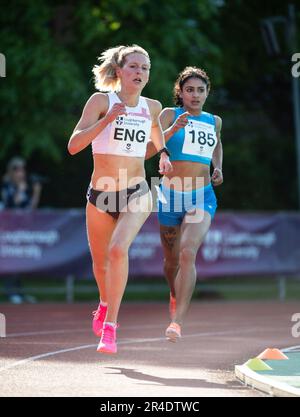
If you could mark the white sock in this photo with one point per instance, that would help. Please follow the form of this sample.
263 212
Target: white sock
110 323
103 303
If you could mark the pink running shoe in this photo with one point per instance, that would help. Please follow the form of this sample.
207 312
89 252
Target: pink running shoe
108 343
99 317
173 332
172 307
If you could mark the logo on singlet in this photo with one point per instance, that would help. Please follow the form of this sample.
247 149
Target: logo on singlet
119 120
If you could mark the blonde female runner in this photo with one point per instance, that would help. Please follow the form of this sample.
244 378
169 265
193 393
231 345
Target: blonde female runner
118 125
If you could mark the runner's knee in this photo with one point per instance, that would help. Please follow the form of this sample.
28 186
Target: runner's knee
99 267
187 255
171 263
117 251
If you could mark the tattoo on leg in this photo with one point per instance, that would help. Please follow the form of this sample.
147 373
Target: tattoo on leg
169 237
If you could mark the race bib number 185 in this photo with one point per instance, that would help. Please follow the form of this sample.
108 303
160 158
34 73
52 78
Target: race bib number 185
199 139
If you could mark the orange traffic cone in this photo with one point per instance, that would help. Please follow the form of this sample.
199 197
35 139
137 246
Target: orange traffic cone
272 354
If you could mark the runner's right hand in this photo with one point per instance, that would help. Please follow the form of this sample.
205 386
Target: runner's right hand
116 110
181 121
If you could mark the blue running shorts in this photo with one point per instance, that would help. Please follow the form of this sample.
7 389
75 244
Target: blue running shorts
173 205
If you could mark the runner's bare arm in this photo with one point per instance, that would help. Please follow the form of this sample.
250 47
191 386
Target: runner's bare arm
168 124
217 159
166 117
89 125
157 137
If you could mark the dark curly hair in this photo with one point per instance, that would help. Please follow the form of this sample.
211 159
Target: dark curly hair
186 74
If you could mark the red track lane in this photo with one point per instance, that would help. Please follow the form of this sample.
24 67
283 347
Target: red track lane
50 349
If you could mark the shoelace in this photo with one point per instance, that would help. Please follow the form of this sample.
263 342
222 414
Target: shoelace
109 335
97 313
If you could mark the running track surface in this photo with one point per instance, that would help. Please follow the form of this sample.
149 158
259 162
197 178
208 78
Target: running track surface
50 349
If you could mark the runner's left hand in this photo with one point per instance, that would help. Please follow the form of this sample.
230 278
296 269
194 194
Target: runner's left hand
165 165
217 177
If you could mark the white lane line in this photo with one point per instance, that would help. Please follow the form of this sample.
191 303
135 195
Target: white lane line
291 348
122 342
43 355
45 332
87 328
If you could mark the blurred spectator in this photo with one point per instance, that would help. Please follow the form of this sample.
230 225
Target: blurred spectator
19 191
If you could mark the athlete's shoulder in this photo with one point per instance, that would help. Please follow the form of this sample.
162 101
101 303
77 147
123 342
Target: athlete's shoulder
218 121
154 104
97 103
168 113
97 99
207 115
169 110
154 107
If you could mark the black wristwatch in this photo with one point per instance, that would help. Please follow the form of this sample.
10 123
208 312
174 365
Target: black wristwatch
164 150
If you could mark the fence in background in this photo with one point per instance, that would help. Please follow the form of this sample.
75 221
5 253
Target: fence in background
54 243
